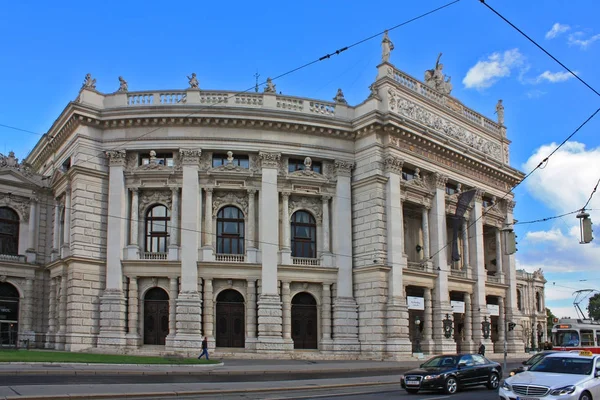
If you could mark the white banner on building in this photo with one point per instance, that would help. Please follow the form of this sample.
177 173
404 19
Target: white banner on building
415 303
494 310
458 307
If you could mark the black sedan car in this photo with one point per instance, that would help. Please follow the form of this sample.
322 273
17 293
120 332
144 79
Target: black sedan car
530 361
451 372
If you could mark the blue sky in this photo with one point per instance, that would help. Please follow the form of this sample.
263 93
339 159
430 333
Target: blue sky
47 48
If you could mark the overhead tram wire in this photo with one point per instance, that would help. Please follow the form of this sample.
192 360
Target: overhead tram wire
325 57
540 47
591 195
485 212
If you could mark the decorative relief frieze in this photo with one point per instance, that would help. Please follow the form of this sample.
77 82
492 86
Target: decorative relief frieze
18 203
306 188
343 168
269 160
148 197
116 157
393 165
153 164
205 161
131 160
189 156
312 204
238 199
510 205
442 125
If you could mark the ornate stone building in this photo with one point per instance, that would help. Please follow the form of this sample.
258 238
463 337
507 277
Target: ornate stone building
268 223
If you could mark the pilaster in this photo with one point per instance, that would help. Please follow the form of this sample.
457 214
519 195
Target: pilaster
174 237
56 234
133 249
208 305
251 314
286 313
133 336
326 343
286 252
208 253
467 344
251 249
477 259
31 251
65 249
173 291
515 341
49 344
427 344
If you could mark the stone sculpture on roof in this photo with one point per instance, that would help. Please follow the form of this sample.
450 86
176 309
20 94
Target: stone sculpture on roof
122 85
386 47
339 97
435 78
270 86
194 84
500 112
89 82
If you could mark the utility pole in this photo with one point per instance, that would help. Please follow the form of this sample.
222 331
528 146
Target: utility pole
505 343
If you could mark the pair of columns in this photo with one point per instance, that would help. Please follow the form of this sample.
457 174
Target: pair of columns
57 313
61 240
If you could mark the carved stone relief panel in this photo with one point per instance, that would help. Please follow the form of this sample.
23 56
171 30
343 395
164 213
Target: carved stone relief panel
239 199
312 204
223 284
148 197
315 289
21 204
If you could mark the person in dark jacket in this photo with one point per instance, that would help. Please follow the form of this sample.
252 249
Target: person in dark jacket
204 349
481 349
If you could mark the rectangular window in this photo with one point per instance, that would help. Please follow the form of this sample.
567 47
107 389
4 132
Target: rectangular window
161 159
487 202
451 188
408 174
298 165
587 338
241 161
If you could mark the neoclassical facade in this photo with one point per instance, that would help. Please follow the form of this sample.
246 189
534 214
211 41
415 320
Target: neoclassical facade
269 223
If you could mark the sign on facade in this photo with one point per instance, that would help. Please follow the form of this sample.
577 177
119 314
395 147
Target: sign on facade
415 303
494 310
9 310
458 307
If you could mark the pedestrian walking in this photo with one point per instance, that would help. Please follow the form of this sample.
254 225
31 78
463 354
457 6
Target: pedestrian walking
481 349
204 349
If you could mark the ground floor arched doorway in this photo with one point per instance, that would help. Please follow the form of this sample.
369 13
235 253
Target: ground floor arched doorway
304 321
9 315
156 316
230 319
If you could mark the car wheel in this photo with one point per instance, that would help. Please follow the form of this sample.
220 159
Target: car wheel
451 385
493 382
585 396
412 391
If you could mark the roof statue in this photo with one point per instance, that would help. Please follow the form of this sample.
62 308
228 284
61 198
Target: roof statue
339 97
194 84
500 112
9 161
89 82
386 47
270 86
122 85
435 78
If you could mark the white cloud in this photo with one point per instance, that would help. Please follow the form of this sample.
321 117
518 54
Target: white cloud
556 293
498 65
554 235
535 94
556 30
563 312
554 77
577 39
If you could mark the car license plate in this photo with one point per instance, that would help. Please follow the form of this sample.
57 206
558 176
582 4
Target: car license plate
528 398
412 382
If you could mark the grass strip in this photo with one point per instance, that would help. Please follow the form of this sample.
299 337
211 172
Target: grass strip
69 357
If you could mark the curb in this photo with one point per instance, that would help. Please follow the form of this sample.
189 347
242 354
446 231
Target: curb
100 396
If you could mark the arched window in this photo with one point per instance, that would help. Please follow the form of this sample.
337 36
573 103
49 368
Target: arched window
230 231
519 303
538 302
304 235
9 231
158 221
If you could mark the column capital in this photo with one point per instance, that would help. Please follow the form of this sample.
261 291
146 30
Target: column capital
393 165
479 195
134 190
439 180
251 191
208 189
325 198
269 160
116 158
190 156
286 195
510 205
175 190
343 167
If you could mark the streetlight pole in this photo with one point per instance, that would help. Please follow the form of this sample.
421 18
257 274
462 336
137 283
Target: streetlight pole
505 343
418 334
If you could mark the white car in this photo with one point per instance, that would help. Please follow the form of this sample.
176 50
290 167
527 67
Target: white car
562 375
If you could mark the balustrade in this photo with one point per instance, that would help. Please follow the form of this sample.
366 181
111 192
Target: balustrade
235 258
10 257
306 261
154 256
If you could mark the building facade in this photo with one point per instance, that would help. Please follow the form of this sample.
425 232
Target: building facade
268 223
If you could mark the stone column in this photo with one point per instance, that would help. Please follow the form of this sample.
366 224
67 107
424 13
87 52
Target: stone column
56 234
345 309
251 314
26 331
133 249
174 234
173 291
200 225
269 304
467 344
427 344
465 243
189 305
112 301
208 253
286 252
440 263
326 342
425 228
397 341
65 250
209 310
477 258
286 311
31 251
326 257
251 250
62 312
499 270
133 337
57 336
499 345
51 315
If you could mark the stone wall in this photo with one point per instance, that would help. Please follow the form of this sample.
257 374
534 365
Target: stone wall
370 290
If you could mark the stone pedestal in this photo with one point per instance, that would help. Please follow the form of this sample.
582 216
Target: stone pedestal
30 255
208 254
327 260
252 255
397 343
345 325
468 346
270 325
112 319
286 257
173 254
441 343
132 252
188 316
